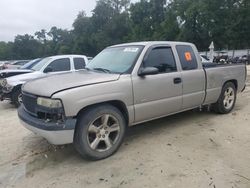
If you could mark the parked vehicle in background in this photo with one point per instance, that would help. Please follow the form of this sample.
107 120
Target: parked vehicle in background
245 59
122 86
15 64
221 59
233 60
90 58
2 65
11 87
22 70
204 59
13 72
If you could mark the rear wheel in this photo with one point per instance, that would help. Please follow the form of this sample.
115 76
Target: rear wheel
227 99
99 132
17 98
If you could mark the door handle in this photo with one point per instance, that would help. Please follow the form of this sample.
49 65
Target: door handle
177 80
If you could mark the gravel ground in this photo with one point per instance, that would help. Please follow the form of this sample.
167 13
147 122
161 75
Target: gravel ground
191 149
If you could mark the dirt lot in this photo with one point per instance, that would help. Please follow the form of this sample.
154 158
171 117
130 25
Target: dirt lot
191 149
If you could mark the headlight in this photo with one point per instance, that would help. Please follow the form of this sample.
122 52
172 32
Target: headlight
8 88
3 82
49 103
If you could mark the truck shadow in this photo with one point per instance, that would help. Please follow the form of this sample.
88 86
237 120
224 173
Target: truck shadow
39 154
168 124
7 105
50 155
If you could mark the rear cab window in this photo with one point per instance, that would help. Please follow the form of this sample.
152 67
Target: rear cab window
79 63
187 57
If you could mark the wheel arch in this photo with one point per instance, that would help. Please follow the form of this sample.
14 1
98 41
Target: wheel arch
15 88
116 103
235 82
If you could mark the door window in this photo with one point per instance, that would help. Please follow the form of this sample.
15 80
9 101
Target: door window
60 65
161 58
187 57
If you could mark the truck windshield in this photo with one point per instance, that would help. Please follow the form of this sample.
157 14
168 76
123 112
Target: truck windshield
41 64
115 59
31 64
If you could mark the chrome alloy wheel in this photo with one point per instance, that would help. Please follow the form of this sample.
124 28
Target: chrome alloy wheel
20 99
103 132
229 97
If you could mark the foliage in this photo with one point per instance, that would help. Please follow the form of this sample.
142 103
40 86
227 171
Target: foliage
226 22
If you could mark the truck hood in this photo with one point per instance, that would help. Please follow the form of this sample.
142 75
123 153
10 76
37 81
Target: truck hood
51 84
12 72
21 79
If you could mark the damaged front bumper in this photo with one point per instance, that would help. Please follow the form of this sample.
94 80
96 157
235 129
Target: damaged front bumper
56 133
5 96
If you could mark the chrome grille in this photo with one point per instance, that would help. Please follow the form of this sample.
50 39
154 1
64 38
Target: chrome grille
30 103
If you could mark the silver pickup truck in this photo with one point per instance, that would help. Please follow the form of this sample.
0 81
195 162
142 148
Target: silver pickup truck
125 85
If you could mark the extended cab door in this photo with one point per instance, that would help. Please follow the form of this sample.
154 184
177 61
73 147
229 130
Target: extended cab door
79 63
160 94
193 76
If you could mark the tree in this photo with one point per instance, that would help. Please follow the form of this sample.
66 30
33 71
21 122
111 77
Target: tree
226 22
41 36
141 21
6 51
25 46
169 29
108 25
60 37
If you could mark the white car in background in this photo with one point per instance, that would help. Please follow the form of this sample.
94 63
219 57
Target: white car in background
2 63
11 87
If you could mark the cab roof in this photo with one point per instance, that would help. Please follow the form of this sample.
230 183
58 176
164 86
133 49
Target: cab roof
150 43
67 56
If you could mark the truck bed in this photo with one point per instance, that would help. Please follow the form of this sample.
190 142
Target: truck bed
212 65
218 74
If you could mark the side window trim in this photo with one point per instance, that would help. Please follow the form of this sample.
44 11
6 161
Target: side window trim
153 47
150 49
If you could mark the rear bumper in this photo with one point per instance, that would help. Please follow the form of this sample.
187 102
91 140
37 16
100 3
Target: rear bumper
55 133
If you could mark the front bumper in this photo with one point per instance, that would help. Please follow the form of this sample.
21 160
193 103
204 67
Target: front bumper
5 96
55 133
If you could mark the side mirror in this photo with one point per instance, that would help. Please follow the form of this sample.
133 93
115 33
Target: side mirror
148 71
48 69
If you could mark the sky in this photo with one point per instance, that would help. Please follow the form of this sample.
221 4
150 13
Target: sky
29 16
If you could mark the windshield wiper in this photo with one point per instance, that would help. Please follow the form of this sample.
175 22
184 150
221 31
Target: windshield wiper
103 70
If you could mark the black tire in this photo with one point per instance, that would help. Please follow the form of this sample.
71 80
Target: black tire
220 107
16 97
83 136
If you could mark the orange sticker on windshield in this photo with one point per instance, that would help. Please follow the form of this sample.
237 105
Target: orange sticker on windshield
188 56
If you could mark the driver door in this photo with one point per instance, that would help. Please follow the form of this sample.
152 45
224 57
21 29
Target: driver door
160 94
58 65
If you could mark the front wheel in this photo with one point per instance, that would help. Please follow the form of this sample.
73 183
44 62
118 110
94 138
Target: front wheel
227 99
99 132
17 98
